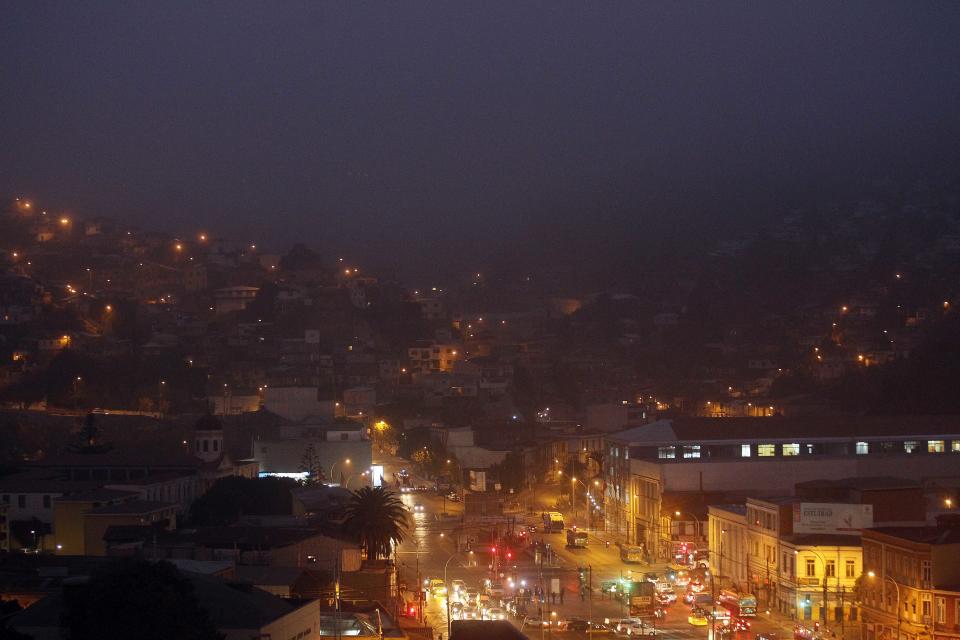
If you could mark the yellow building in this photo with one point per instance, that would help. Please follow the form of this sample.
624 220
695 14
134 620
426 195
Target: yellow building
69 535
819 575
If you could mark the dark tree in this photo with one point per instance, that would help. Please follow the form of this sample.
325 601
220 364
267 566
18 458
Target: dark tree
376 518
232 497
136 599
310 464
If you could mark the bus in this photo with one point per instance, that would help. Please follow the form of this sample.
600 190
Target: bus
576 538
741 605
631 553
642 599
553 521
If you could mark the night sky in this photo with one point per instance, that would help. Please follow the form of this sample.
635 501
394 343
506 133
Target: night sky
435 134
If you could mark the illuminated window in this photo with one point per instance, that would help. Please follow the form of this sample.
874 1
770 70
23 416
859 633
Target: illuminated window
811 568
955 447
863 448
791 449
766 450
851 569
934 446
910 446
692 451
831 569
666 452
744 451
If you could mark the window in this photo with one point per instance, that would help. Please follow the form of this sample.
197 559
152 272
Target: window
198 445
851 570
811 567
955 448
863 448
766 450
692 451
910 446
6 498
22 501
791 449
666 452
934 446
925 605
744 451
344 436
941 610
926 572
216 445
46 502
831 569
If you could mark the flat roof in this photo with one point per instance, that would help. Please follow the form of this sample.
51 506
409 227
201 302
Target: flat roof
777 428
131 507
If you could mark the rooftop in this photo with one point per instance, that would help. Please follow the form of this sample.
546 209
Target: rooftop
697 430
924 535
131 507
822 540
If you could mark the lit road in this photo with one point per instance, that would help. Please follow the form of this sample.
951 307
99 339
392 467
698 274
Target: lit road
432 544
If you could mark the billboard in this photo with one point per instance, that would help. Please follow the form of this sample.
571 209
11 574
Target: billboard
822 517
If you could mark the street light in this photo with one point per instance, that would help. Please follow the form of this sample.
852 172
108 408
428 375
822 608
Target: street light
897 587
797 553
334 466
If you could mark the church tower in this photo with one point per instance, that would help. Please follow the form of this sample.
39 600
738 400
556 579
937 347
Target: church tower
208 438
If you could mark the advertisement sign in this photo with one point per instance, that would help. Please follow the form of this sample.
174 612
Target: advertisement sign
821 517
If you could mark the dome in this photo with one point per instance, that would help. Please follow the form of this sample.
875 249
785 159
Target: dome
208 422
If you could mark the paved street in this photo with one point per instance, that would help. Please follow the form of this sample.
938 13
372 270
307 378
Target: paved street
432 548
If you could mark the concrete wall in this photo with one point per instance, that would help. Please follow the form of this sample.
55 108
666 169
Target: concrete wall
779 475
296 403
285 456
33 506
305 619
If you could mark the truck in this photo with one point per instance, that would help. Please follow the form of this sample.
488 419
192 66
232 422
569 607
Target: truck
576 538
643 602
631 553
553 521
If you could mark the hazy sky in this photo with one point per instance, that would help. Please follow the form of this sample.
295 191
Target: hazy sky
409 130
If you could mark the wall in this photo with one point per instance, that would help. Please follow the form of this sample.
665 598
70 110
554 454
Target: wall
296 403
33 506
290 626
285 456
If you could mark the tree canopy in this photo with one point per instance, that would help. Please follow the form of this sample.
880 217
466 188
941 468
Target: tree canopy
376 518
232 497
133 598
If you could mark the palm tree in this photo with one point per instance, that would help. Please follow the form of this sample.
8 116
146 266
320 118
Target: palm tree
376 518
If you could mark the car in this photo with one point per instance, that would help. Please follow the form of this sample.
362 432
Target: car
438 587
473 597
418 508
458 586
533 621
470 612
767 635
585 626
725 632
453 496
495 613
698 618
652 577
495 590
740 624
666 598
664 587
627 626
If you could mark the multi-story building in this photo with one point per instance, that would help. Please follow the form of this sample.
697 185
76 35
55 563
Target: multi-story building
910 574
763 457
728 540
432 357
818 577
